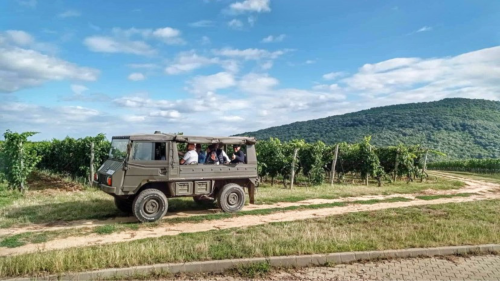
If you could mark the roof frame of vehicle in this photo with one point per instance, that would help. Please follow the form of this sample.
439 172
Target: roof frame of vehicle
190 139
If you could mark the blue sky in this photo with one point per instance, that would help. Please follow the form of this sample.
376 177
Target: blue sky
222 67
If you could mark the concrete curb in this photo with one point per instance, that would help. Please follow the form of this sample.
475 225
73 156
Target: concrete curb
218 266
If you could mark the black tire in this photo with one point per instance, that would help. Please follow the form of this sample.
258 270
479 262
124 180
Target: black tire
231 198
150 205
124 205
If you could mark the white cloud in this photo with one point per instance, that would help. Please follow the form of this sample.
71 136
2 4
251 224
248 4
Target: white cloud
166 32
235 24
69 14
257 6
202 23
20 37
166 113
271 38
424 29
249 54
123 41
332 75
267 65
136 76
149 66
260 100
310 61
168 35
188 61
257 83
474 74
22 68
210 83
232 118
110 45
78 89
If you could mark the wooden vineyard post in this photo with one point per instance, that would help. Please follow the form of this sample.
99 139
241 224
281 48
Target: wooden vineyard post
292 177
334 164
396 166
425 160
21 152
368 174
251 193
91 178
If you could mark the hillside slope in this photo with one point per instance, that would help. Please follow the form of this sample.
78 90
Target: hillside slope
461 128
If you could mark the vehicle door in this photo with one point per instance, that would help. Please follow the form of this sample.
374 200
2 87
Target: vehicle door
147 162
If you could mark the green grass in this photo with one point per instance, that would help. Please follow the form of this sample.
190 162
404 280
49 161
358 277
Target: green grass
267 194
495 178
434 197
22 239
424 226
254 270
51 206
7 197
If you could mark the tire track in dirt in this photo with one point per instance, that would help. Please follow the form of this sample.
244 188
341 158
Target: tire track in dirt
486 191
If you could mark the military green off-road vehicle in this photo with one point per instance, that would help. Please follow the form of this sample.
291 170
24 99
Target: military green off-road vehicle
143 171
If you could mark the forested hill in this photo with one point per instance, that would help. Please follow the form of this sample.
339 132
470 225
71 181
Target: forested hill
461 128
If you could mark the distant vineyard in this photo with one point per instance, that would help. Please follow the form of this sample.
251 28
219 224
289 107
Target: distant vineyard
473 165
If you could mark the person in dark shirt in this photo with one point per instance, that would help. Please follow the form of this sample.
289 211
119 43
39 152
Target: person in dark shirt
238 155
201 154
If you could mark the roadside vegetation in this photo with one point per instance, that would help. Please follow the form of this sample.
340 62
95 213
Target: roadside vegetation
426 226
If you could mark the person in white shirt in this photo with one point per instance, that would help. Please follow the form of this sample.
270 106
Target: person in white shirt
191 156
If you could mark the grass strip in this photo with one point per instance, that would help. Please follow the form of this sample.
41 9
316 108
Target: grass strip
424 226
434 197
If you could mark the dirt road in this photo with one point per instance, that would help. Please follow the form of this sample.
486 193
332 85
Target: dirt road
482 191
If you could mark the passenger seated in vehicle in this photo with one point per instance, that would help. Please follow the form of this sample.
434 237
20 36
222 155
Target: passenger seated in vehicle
238 155
212 157
190 157
221 154
201 154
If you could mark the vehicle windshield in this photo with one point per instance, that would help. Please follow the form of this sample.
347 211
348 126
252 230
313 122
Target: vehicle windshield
118 149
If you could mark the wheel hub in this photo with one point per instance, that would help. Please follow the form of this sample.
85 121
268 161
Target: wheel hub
151 207
233 199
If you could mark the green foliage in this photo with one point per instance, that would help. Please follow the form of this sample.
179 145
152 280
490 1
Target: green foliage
315 159
311 160
72 156
472 165
19 158
461 128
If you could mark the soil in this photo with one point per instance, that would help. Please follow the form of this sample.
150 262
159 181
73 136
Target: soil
482 191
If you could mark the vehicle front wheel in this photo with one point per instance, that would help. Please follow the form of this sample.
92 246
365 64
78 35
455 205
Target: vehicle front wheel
231 198
124 205
150 205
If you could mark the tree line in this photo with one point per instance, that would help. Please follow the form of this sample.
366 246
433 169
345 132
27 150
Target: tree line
312 161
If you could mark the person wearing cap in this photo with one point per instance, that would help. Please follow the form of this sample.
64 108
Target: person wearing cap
191 156
238 155
201 154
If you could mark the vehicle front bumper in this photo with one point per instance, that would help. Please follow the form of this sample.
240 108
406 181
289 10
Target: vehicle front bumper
105 188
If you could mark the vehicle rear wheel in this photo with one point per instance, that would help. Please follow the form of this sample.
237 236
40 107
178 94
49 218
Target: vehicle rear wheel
150 205
231 198
124 205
